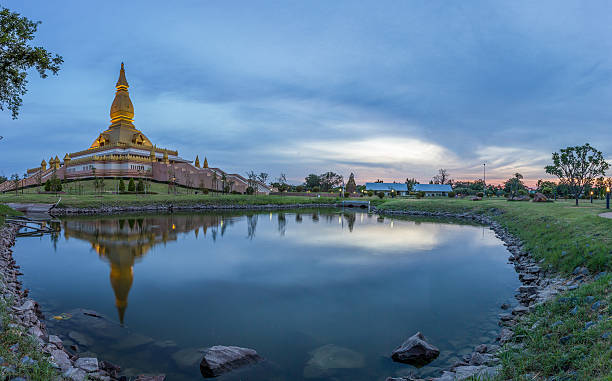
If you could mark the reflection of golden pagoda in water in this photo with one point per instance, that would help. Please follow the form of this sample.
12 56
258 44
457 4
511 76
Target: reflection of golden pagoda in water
121 241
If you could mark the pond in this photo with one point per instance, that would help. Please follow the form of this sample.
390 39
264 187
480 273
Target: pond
320 294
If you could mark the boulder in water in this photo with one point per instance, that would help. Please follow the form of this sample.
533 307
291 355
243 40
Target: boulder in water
415 351
221 359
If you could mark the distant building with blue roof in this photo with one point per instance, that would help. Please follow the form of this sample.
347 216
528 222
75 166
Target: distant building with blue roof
433 189
401 189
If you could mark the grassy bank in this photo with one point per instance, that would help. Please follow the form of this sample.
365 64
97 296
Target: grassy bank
6 211
568 338
19 353
95 200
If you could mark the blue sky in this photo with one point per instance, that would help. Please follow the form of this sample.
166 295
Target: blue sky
384 89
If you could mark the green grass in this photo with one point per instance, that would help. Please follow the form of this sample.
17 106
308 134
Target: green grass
564 236
585 356
6 211
94 200
12 364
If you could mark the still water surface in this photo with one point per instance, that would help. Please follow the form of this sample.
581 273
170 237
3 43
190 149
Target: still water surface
320 294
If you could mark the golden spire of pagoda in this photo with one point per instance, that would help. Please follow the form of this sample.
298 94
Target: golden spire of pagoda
121 278
122 110
152 154
205 165
43 165
197 162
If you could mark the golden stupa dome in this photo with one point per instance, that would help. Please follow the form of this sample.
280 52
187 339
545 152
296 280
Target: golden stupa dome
122 108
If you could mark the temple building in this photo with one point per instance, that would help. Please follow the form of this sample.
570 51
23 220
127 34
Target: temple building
124 151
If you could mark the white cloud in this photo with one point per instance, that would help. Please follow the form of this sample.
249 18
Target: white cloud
381 151
504 161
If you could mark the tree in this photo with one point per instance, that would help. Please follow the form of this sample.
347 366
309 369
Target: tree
311 181
263 177
140 186
514 184
131 186
215 181
351 186
121 186
17 56
15 180
329 180
282 182
224 181
442 177
252 183
578 167
410 183
546 187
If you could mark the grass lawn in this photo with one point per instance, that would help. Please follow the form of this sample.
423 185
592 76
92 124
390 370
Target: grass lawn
107 199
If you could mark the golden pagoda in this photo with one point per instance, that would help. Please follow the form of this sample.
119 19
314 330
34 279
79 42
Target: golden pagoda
121 130
123 151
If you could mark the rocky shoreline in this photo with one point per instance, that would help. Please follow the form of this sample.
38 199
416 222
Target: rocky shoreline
25 314
166 208
538 286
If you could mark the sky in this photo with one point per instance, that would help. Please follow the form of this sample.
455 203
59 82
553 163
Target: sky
384 89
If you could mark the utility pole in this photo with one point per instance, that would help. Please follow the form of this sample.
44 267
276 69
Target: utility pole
484 178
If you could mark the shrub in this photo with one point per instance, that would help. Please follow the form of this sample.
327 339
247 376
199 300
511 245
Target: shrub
250 190
451 194
480 194
347 194
522 192
121 186
370 193
235 192
131 186
140 186
48 186
299 188
316 189
380 194
204 191
531 195
420 194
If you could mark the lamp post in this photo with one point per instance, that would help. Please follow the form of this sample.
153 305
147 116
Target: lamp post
591 197
608 197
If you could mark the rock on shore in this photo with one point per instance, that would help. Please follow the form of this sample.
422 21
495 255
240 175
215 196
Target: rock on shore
221 359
